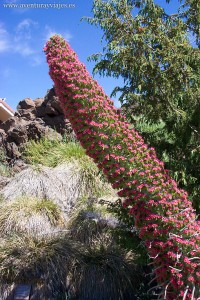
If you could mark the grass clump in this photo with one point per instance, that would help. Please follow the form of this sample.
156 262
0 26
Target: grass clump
84 261
100 270
29 215
107 272
4 166
85 229
93 181
51 153
89 220
115 261
46 261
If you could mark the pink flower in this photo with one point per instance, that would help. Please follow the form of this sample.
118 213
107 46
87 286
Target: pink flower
161 211
191 278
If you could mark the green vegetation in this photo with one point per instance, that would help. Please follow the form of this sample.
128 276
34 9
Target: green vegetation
5 170
28 259
103 218
51 153
113 268
84 253
151 51
38 246
15 215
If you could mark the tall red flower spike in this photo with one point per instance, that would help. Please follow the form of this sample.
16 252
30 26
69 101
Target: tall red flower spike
162 213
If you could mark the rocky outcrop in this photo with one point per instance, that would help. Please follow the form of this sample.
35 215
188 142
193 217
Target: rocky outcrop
33 119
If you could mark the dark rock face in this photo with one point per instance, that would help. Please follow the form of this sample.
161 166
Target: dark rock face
27 103
33 119
8 124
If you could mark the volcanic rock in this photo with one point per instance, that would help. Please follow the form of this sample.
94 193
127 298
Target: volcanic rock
33 120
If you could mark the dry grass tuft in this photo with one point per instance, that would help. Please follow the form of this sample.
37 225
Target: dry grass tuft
5 170
64 184
85 226
31 216
88 223
108 272
85 263
52 153
45 261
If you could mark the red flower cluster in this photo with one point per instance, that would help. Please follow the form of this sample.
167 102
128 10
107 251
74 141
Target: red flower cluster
162 213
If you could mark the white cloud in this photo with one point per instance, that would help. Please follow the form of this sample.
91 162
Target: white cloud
4 39
25 29
49 32
24 32
36 60
21 42
67 36
24 38
24 49
26 23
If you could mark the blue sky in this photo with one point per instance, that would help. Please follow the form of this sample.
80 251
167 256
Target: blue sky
23 33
